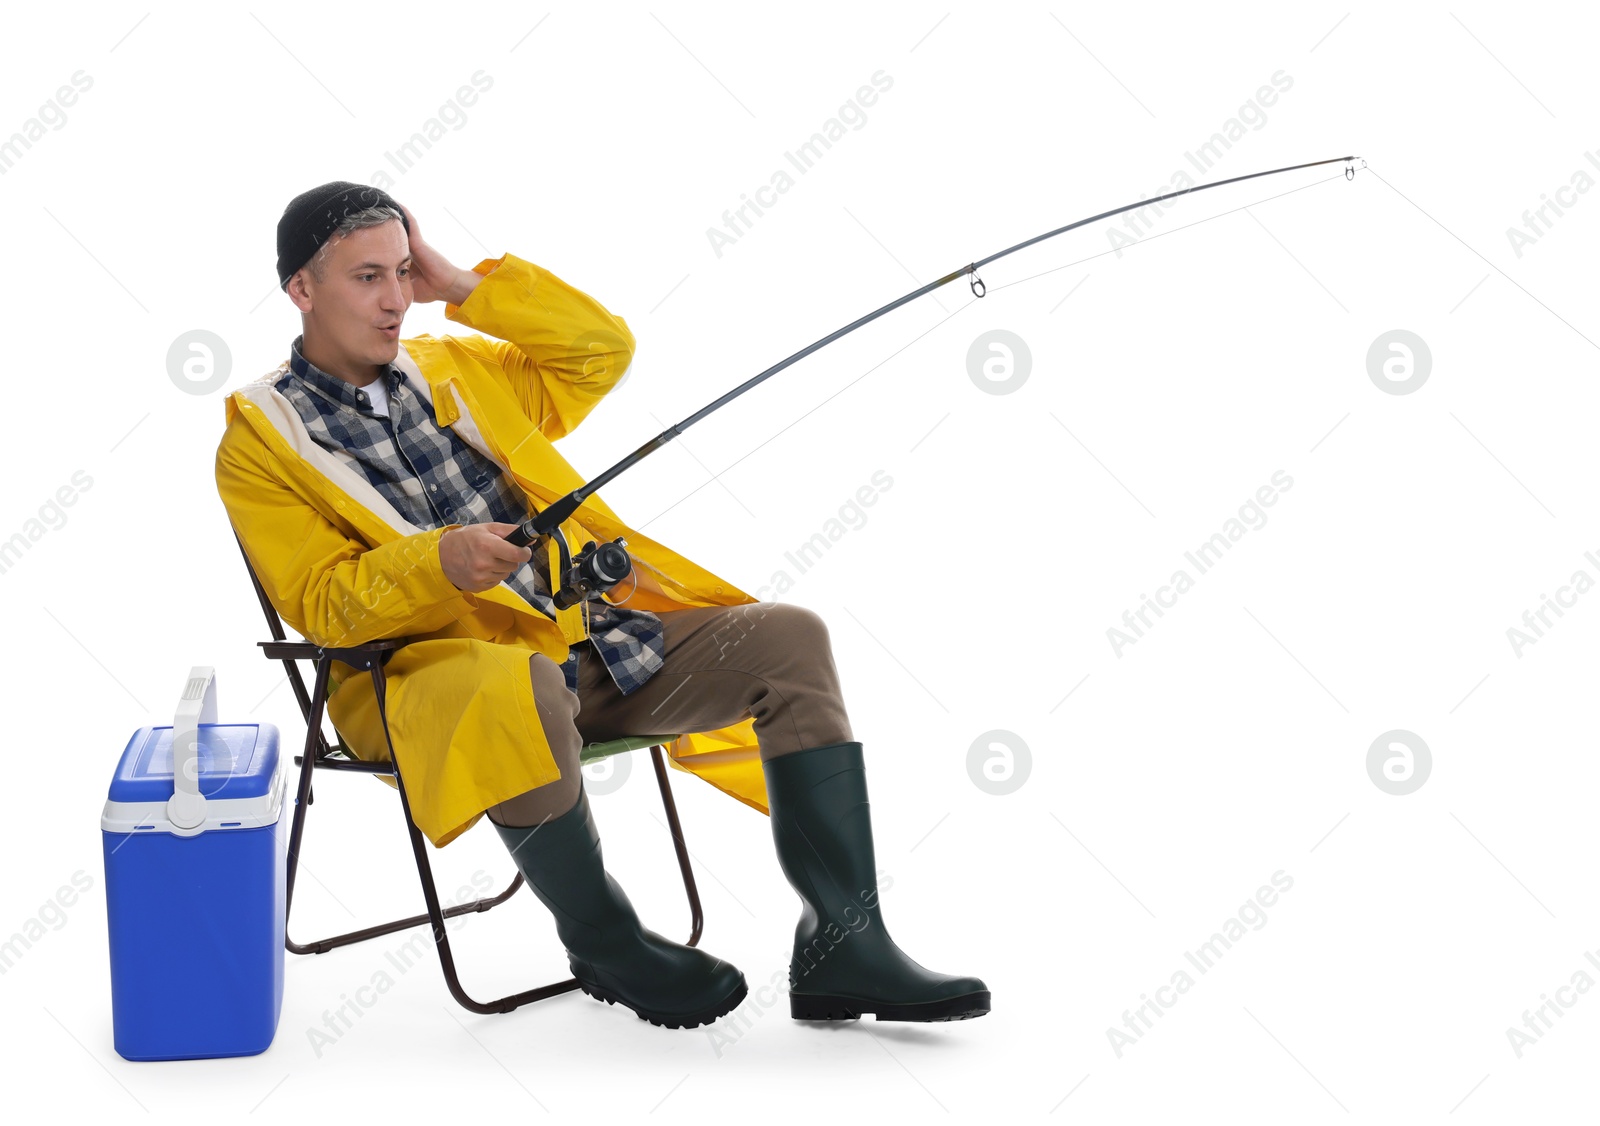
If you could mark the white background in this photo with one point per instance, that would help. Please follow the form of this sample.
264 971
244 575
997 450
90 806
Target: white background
1229 743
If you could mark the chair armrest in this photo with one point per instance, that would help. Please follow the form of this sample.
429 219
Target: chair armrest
357 656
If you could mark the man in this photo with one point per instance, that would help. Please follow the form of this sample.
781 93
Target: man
372 481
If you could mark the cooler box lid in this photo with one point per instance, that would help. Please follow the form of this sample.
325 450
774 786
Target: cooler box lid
235 762
234 780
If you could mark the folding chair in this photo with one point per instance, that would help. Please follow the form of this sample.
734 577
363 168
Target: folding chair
318 755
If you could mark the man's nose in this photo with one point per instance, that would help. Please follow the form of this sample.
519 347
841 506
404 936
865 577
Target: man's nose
393 297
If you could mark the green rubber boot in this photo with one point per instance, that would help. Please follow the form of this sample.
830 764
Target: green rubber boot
613 956
845 964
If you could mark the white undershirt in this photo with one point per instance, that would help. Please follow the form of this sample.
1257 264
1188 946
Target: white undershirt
378 392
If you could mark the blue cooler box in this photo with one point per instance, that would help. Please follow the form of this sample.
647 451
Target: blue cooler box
194 879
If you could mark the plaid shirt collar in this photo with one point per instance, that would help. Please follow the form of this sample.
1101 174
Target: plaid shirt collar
331 386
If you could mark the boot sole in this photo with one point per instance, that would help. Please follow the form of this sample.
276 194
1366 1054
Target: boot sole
820 1006
669 1020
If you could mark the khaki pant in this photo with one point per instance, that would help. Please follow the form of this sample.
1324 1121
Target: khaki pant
768 660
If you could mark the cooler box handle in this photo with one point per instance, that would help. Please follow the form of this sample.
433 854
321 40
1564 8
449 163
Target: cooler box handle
186 809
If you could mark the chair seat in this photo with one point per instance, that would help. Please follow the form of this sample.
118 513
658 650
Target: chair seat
594 752
340 757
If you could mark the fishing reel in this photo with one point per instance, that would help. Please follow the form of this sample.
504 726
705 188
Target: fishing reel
597 568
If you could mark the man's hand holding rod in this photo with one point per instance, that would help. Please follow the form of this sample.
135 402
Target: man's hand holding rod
476 557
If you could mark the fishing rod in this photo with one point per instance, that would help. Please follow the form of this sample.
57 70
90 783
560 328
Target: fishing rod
599 567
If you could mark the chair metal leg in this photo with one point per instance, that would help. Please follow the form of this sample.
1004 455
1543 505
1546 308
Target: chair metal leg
677 843
447 961
314 738
430 893
303 793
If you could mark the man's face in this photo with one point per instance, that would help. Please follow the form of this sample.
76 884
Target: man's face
366 288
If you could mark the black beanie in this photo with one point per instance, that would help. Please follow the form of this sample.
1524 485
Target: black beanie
314 215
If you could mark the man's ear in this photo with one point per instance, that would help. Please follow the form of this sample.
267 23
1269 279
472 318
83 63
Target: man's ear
297 290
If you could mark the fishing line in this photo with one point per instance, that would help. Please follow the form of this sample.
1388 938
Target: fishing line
1152 238
946 317
600 566
801 418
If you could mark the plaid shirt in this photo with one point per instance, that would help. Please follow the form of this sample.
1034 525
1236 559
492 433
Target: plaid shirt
434 478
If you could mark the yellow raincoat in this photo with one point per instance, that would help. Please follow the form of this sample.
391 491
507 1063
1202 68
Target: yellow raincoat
342 566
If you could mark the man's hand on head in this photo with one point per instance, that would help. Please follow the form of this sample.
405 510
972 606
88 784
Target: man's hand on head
476 557
433 278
